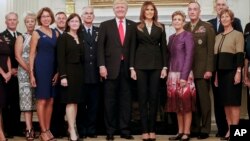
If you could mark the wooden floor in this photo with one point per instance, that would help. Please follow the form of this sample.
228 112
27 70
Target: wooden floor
117 138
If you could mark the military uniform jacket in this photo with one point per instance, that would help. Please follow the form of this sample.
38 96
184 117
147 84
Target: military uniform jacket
204 39
11 43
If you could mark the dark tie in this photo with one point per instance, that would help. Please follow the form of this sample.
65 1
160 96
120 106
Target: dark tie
89 34
14 33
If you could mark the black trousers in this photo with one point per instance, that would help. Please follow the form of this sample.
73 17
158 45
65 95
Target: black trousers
11 111
58 124
248 103
201 120
219 112
117 103
87 112
148 93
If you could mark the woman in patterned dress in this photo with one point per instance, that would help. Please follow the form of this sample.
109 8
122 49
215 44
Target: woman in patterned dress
180 85
22 50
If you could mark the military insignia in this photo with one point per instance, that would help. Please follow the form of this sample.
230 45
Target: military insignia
201 29
200 41
96 38
7 40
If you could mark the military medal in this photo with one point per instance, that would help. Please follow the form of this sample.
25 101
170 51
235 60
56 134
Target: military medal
199 41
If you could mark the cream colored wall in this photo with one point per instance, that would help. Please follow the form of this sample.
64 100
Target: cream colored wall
3 10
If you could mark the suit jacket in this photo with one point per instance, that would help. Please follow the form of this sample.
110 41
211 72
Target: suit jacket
11 43
150 52
236 25
204 39
68 52
110 48
90 50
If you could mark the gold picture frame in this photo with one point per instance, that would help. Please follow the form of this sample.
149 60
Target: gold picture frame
70 6
103 3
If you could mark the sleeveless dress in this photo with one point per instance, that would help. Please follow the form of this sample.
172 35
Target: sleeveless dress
45 65
26 96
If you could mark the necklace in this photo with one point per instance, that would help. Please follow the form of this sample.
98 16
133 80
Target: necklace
75 36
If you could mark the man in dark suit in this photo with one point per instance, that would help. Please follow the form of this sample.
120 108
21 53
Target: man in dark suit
247 64
11 112
219 112
204 38
87 112
116 37
58 127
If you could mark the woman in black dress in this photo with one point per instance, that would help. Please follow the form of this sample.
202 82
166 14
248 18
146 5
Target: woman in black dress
5 75
70 62
229 60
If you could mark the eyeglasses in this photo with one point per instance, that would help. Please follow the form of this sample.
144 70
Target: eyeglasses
45 16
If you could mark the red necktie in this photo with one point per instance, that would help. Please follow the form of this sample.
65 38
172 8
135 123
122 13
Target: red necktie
121 31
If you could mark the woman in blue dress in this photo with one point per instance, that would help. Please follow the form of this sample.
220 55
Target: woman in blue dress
43 76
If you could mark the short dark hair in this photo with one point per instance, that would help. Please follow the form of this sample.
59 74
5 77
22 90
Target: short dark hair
40 12
61 12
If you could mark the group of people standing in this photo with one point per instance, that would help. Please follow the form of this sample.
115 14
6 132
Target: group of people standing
61 68
37 60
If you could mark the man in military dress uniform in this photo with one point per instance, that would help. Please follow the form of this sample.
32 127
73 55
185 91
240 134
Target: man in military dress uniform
204 38
11 112
87 112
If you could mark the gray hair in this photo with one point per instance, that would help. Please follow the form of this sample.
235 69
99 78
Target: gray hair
224 0
11 13
86 7
29 14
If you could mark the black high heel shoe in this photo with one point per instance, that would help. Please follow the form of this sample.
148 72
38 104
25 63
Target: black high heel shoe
177 137
225 138
30 135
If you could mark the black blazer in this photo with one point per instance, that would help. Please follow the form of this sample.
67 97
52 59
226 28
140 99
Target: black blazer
236 25
90 51
11 43
110 49
150 52
68 52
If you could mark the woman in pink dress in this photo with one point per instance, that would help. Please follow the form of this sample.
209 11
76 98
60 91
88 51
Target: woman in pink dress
180 85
